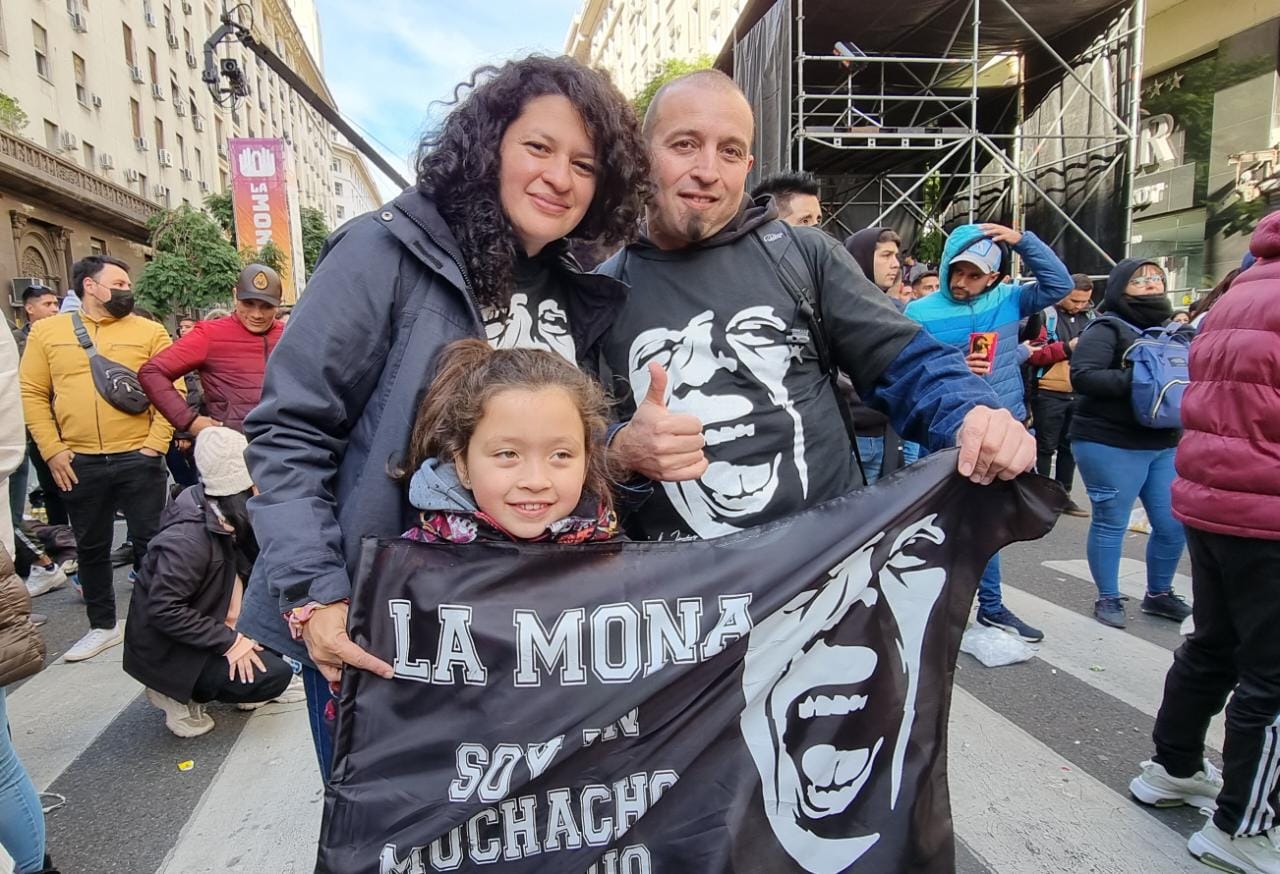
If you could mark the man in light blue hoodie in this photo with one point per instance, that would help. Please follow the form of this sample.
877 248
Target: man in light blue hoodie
971 300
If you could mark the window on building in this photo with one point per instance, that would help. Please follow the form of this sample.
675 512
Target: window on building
129 57
168 22
153 64
159 134
336 165
90 156
199 171
4 45
186 39
82 91
50 135
142 185
135 114
175 93
41 39
97 247
341 213
195 107
182 150
337 189
222 180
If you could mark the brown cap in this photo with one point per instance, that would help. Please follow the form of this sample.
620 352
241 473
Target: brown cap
259 282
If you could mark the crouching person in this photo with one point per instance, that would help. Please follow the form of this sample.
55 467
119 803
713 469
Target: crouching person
180 640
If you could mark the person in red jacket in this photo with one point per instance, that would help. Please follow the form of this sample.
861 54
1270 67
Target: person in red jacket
1227 494
230 354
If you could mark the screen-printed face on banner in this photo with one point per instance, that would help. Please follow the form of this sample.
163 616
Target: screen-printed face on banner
822 677
542 324
730 373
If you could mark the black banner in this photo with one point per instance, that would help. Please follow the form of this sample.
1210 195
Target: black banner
771 701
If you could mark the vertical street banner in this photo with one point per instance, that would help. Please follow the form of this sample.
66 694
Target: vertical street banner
263 198
771 701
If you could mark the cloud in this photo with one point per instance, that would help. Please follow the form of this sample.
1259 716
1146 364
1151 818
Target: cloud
387 68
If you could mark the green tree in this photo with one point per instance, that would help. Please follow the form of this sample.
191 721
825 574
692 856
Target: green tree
672 68
314 232
12 118
219 206
928 248
194 265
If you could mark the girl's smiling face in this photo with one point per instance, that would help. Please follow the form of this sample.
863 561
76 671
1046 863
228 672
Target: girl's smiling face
527 459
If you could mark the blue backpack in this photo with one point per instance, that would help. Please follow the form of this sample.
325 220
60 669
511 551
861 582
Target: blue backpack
1159 359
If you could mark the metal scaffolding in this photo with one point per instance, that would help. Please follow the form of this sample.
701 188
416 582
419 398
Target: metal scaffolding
985 126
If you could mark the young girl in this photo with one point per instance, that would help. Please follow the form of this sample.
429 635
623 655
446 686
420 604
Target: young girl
509 445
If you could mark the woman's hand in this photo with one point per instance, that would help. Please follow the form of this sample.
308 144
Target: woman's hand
242 658
325 634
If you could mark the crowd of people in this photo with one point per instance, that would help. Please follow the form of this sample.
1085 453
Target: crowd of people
453 374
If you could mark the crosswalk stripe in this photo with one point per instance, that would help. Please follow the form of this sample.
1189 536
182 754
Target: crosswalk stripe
1124 666
56 714
1133 576
1010 793
262 810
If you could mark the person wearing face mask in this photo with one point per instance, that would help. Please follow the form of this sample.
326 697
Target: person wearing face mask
229 354
102 458
1120 459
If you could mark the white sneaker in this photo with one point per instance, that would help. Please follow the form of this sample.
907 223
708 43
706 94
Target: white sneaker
1252 854
184 720
45 579
1155 786
292 694
97 640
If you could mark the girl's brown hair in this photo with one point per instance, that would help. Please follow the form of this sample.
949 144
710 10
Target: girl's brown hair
470 373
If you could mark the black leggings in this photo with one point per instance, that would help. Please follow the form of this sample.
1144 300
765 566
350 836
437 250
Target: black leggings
213 683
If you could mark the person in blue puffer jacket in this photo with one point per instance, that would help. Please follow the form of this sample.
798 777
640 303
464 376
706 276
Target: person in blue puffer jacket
970 300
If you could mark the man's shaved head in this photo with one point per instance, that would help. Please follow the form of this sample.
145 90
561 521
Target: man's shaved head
703 80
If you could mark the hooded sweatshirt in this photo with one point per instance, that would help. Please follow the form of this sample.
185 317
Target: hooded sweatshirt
862 246
717 315
998 309
1103 412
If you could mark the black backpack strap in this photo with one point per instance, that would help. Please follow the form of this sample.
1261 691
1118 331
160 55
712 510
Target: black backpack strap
83 335
793 270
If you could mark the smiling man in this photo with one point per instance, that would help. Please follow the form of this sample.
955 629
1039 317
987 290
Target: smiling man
726 402
230 355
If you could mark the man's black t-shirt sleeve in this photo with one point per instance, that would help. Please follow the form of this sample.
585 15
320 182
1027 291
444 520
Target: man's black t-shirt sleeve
865 330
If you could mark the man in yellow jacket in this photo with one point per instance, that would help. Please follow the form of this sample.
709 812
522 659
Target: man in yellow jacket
102 459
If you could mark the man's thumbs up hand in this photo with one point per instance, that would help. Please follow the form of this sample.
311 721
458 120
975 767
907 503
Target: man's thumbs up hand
659 444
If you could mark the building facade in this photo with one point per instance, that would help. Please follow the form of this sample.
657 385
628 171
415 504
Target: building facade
632 38
119 123
354 191
1209 154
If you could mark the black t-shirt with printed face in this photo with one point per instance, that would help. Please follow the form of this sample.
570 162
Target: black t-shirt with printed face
718 318
537 317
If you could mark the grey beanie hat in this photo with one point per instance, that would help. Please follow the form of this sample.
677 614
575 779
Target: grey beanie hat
220 461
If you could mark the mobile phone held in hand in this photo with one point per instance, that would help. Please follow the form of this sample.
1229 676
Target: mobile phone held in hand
984 343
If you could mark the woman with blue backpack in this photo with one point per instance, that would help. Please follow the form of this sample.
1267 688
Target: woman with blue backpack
1129 370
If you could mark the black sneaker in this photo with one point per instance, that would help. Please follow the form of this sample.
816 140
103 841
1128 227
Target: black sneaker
1166 604
1004 619
122 554
1109 611
1074 509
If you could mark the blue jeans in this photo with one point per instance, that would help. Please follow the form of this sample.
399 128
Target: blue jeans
911 452
21 817
872 451
1116 478
989 598
318 698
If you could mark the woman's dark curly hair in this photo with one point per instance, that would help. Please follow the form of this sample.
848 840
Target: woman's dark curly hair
458 164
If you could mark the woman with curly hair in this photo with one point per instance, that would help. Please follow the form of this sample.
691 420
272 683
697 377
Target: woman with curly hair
534 154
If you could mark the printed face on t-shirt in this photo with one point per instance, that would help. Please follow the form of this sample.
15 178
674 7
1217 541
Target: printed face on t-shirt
730 374
543 325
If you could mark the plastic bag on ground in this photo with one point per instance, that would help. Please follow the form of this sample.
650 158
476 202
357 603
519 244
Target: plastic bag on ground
994 647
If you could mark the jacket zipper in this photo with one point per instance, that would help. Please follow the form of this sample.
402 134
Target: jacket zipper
466 280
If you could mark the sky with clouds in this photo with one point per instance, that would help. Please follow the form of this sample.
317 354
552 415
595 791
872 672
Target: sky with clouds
386 67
